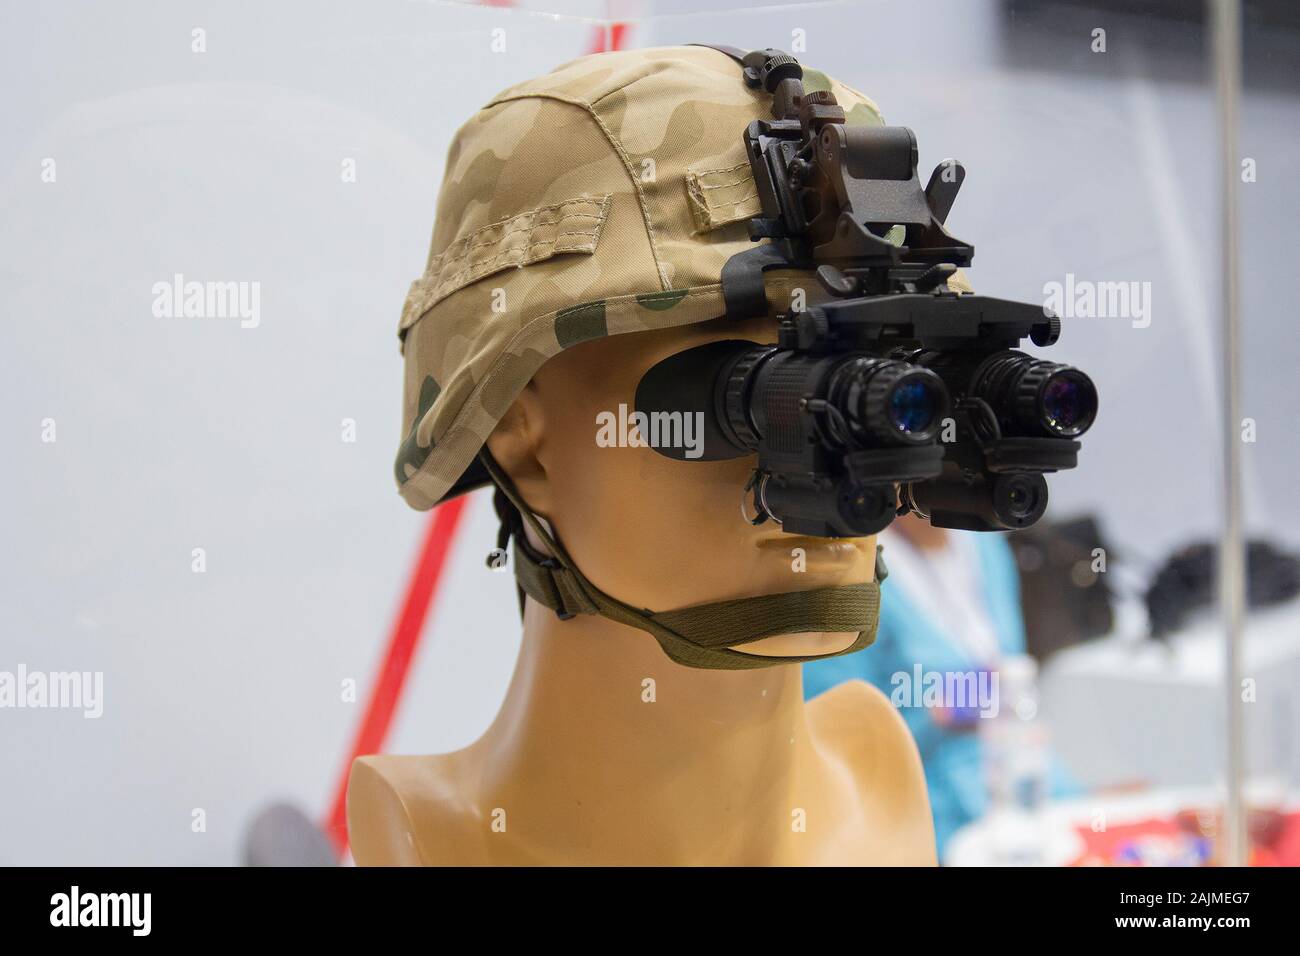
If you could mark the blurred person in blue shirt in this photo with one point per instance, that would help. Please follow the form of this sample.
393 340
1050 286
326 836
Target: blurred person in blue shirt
950 605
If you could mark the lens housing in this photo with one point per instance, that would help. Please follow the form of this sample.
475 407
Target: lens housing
865 509
1034 397
888 401
980 501
1019 500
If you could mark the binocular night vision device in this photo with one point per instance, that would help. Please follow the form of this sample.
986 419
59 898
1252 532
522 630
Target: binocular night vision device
896 393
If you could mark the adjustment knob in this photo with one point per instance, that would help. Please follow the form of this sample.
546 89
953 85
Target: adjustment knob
1046 333
818 108
778 67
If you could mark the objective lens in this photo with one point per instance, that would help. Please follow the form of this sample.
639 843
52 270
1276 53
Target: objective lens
1034 397
912 405
1069 402
887 400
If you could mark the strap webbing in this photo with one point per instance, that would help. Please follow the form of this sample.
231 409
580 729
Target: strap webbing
717 625
700 636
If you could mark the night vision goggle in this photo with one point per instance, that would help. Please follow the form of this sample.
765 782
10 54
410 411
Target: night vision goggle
896 394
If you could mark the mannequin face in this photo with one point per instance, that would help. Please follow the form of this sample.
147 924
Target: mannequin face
653 532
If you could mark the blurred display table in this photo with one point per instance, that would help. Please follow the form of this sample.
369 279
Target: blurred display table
1124 710
1163 827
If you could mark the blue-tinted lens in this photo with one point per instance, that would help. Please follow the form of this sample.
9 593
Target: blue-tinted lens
911 406
1069 402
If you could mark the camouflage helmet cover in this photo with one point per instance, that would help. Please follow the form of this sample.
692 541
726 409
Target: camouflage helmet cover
601 198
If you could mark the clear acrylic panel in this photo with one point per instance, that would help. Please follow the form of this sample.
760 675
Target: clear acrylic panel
201 513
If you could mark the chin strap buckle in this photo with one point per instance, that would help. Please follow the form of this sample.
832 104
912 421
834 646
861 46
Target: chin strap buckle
554 566
548 582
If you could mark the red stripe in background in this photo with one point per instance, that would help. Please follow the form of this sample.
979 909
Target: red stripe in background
402 641
422 587
611 38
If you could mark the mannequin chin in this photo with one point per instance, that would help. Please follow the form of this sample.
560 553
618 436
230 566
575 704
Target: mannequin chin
652 531
800 645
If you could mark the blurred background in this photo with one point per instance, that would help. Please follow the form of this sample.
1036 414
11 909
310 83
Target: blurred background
203 510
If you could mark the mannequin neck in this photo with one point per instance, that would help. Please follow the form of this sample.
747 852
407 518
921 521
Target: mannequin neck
599 728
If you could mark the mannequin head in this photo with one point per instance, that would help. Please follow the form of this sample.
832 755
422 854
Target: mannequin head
657 533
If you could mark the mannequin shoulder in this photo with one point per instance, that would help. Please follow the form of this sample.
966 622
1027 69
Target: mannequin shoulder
856 722
396 812
380 828
851 708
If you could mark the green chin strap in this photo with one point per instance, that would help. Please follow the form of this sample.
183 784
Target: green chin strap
699 636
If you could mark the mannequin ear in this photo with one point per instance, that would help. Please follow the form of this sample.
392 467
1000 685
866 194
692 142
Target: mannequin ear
514 443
